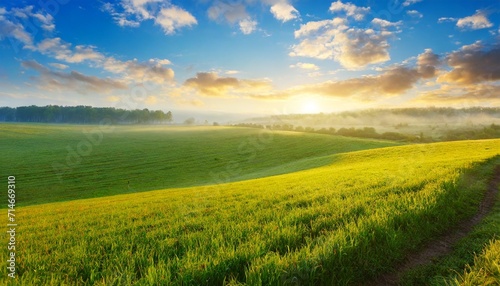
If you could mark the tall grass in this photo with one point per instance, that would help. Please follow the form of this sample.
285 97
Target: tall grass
339 224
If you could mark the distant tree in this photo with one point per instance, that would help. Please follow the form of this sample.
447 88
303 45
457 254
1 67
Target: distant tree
189 121
216 123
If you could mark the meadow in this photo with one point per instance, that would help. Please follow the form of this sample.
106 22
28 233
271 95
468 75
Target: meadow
336 217
66 162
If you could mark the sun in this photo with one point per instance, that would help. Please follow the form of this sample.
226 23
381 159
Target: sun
310 106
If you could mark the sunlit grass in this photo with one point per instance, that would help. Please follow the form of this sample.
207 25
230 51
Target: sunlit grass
338 224
127 159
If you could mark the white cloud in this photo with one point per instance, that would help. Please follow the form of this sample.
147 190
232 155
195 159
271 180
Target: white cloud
414 14
163 13
410 2
475 22
352 47
358 13
446 19
284 11
60 50
247 26
306 66
386 24
173 18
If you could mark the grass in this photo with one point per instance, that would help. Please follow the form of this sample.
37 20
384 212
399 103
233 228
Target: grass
474 258
67 162
343 223
486 268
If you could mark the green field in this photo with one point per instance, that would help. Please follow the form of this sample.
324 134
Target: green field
336 216
60 162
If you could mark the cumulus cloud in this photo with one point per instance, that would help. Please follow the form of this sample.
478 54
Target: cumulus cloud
337 39
414 14
283 11
163 13
351 10
386 24
56 80
211 84
475 22
153 70
389 82
473 64
173 18
352 47
247 26
306 66
427 64
410 2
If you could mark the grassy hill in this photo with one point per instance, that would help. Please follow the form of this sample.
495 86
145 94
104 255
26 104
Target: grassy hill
342 223
66 162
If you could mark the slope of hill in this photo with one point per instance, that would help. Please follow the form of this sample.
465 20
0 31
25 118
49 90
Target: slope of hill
65 162
338 224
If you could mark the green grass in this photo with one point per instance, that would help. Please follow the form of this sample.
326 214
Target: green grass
473 258
486 268
343 223
59 162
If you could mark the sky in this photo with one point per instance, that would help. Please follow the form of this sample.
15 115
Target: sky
249 57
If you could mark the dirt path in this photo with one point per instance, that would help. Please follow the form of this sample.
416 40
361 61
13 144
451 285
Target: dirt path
443 244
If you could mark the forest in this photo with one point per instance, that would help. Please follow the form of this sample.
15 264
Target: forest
83 115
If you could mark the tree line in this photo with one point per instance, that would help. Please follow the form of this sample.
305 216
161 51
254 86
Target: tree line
486 132
83 115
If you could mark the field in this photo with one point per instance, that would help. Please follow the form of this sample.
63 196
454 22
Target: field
335 216
66 162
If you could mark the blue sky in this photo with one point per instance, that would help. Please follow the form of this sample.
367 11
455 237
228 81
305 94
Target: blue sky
250 56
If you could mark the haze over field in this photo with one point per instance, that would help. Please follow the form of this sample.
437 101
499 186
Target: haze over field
217 58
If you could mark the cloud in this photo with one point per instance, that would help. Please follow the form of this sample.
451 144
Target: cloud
132 70
59 66
386 24
475 22
130 13
446 19
247 26
284 12
232 13
173 18
10 28
56 80
410 2
473 64
60 50
389 82
352 47
351 10
211 84
470 95
414 14
306 66
43 20
135 71
427 63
